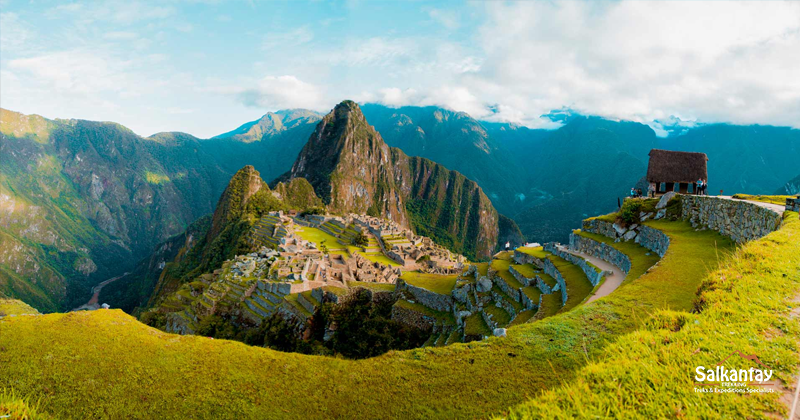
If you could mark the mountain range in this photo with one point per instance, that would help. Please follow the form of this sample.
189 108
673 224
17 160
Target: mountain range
82 201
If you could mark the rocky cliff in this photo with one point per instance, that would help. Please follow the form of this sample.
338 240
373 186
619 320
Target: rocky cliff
353 170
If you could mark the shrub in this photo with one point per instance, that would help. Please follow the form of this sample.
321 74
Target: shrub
360 239
629 213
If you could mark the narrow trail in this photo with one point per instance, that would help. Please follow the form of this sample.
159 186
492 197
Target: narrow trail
613 280
93 304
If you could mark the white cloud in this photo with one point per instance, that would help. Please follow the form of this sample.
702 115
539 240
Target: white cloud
281 92
714 61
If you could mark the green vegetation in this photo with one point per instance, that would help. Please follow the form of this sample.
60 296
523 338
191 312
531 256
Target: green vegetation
550 305
364 328
380 258
499 315
501 264
377 287
772 199
317 236
15 408
748 305
537 252
523 317
527 270
483 268
547 279
533 293
436 283
155 178
641 258
359 239
15 307
475 325
629 213
578 285
446 317
105 344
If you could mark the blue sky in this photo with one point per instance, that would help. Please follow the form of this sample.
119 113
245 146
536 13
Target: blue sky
205 67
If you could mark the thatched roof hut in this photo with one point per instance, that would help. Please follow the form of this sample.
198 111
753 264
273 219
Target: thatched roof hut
676 167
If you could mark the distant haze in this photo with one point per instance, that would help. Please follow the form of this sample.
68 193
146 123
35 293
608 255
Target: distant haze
204 68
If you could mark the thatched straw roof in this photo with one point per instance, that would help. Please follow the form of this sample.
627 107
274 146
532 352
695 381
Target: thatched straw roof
671 166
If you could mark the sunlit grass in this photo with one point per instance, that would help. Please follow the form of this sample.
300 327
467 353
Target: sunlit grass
104 363
437 283
772 199
747 305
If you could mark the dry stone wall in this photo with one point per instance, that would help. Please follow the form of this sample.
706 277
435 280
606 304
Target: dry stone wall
600 250
551 270
653 239
739 220
594 274
425 297
413 318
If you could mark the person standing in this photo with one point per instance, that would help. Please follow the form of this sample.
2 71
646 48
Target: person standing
651 190
699 187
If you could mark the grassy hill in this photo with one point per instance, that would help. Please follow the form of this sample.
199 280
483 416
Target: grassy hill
750 305
105 363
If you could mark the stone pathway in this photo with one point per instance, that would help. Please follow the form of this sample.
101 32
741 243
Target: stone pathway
774 207
612 281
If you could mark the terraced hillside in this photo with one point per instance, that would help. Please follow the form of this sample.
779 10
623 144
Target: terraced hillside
195 375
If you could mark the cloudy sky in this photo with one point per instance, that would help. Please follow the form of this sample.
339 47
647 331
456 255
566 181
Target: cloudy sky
205 67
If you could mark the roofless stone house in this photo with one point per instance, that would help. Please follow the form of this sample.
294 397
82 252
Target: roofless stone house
676 171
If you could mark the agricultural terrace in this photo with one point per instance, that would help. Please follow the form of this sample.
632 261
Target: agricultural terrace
163 375
437 283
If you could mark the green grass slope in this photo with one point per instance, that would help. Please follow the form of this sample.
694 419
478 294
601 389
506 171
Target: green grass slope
106 364
750 304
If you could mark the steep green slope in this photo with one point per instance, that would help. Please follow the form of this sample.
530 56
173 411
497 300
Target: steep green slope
211 241
167 376
83 200
583 167
455 140
749 306
792 187
353 170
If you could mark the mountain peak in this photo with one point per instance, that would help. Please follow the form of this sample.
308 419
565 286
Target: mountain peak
243 185
270 123
354 171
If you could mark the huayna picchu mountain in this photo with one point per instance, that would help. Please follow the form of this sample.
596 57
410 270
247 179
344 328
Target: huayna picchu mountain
353 170
210 240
